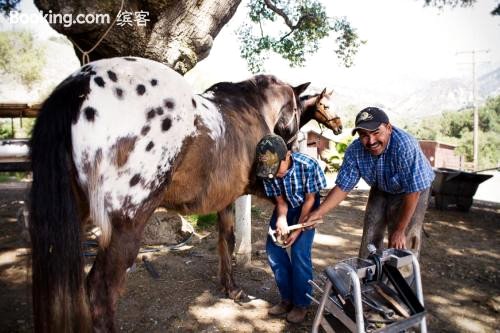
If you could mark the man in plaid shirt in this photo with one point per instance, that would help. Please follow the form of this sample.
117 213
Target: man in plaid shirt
294 181
392 163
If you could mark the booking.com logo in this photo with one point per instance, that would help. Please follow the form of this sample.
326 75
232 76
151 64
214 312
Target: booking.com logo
57 18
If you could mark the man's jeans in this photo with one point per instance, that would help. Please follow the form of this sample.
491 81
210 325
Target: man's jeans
292 274
383 211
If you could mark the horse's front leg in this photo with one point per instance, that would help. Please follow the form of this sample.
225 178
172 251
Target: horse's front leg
106 280
226 249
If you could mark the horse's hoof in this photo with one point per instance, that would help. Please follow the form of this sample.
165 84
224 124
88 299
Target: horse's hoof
237 294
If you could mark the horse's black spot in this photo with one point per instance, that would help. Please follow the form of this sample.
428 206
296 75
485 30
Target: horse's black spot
159 110
145 130
194 102
130 59
135 179
112 76
92 73
166 124
99 81
169 103
151 114
141 89
154 82
90 113
150 146
119 93
204 105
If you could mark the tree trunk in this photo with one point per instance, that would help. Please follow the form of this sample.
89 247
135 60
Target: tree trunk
179 33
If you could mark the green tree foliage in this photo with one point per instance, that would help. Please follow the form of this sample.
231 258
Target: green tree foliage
335 155
457 128
6 130
292 29
21 56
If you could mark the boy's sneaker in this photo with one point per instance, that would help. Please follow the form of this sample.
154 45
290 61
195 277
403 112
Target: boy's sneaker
280 308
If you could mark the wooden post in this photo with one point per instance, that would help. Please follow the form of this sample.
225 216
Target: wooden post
243 229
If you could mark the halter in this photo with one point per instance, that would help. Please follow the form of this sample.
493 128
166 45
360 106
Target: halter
320 111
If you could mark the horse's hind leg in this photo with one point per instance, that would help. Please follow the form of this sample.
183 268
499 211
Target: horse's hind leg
106 280
226 249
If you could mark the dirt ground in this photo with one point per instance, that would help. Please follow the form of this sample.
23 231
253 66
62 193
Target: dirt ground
459 263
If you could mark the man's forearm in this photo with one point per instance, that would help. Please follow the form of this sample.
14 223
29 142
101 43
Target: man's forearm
306 207
333 198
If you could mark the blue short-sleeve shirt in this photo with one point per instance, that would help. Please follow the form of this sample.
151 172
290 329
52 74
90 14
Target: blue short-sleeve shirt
401 168
304 176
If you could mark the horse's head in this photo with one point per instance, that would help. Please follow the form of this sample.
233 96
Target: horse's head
317 107
277 102
283 109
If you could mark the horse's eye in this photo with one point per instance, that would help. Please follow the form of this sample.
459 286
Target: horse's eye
326 107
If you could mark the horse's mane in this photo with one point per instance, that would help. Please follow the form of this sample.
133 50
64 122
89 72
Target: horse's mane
244 93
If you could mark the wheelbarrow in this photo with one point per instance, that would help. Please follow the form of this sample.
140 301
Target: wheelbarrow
455 187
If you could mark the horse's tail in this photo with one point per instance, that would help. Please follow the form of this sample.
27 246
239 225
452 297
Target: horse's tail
60 302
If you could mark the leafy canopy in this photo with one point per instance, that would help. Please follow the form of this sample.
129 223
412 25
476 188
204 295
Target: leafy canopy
293 29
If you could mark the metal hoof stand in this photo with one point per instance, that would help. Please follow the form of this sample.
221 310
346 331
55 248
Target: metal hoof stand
371 295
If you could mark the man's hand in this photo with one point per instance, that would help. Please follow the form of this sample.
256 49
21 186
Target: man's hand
397 240
312 216
292 238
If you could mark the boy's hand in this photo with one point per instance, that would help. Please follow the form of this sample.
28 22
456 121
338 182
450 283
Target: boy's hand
281 226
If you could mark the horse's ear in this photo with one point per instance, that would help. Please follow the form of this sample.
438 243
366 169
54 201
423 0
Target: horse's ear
330 93
322 93
300 89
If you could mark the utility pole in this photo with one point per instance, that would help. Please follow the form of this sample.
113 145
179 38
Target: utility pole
475 137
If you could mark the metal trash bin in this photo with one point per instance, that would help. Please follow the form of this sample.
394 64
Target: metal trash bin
455 187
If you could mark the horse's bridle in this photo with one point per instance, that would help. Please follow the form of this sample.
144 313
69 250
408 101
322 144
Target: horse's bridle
322 113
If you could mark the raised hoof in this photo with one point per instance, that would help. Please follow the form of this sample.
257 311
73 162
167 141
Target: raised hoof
237 294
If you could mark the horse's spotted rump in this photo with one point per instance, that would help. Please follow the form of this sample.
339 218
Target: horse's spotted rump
166 124
90 113
141 89
99 81
112 76
133 163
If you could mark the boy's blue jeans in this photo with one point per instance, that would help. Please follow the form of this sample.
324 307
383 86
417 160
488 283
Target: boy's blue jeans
292 274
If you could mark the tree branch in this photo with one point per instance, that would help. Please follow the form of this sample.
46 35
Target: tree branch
281 13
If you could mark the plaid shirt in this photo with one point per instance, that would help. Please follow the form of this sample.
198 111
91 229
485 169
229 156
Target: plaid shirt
304 176
401 168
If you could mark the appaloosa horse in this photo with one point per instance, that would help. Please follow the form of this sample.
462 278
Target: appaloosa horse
115 140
